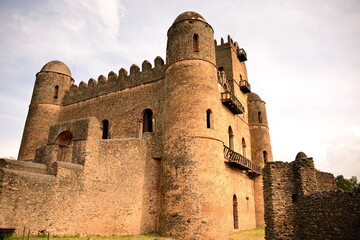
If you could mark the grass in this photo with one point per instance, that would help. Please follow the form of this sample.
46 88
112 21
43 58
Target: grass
255 234
95 237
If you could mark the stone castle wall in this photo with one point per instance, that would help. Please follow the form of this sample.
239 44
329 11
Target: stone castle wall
173 179
303 203
116 82
113 190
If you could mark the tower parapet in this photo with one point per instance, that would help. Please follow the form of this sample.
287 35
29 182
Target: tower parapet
116 82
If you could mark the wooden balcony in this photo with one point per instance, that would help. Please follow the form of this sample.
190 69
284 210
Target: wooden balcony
245 86
232 103
241 54
238 161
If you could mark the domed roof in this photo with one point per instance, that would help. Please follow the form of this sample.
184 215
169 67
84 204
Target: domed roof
253 97
56 66
189 16
300 156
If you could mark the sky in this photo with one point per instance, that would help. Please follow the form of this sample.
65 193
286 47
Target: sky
303 61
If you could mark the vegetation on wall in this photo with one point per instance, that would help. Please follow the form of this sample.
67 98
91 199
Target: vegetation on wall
349 185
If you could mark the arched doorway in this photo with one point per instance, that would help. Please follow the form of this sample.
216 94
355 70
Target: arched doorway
235 212
64 140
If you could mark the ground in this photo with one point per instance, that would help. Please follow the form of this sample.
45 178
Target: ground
256 234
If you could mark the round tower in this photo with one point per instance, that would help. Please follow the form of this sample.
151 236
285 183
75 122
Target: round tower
260 148
51 83
192 205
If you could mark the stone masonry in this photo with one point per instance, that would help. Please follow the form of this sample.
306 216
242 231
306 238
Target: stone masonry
175 148
303 203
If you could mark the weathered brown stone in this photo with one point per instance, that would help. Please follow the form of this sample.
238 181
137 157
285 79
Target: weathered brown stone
172 178
303 203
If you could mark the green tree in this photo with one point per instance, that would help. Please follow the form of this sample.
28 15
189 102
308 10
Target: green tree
349 185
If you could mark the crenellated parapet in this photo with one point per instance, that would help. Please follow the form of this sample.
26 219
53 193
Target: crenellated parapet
116 82
240 52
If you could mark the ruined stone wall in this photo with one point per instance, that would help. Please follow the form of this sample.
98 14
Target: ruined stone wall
278 192
325 181
333 215
300 203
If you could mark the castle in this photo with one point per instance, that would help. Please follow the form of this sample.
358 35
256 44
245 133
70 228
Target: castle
177 148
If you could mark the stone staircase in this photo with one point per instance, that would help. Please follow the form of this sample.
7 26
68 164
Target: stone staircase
25 169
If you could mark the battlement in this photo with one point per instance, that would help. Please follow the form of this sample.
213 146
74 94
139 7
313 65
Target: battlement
116 82
240 52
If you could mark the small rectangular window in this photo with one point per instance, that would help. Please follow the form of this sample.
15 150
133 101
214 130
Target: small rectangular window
196 43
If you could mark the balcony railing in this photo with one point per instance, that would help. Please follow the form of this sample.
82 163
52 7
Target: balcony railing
232 103
241 54
245 86
237 160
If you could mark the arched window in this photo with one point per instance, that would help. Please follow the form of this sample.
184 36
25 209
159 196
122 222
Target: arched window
147 121
105 129
235 212
260 117
209 119
265 156
64 138
231 138
56 92
196 43
243 143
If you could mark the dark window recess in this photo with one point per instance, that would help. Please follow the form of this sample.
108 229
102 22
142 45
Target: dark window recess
231 138
196 43
208 118
294 198
148 121
260 117
56 92
265 156
105 129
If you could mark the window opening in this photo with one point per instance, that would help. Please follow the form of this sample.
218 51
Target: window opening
231 138
243 143
265 156
56 92
148 121
105 129
260 117
196 43
235 212
209 119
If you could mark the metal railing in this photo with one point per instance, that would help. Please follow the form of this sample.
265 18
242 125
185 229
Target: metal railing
231 102
241 161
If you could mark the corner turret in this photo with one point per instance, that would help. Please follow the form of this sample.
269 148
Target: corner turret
51 84
190 37
190 95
